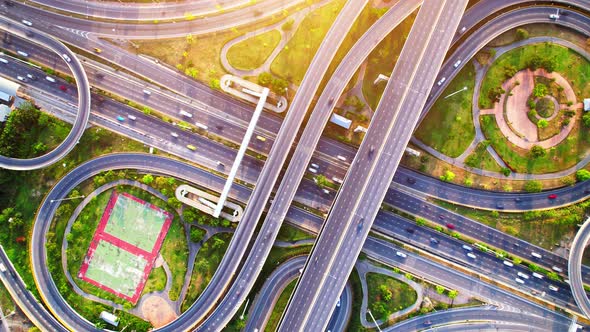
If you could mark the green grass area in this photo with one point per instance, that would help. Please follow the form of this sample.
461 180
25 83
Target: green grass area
277 311
568 63
388 295
192 215
206 263
156 281
290 233
382 60
542 228
481 158
562 156
197 233
135 223
252 52
294 59
5 300
448 126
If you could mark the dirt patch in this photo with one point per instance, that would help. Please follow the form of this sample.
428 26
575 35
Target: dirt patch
157 311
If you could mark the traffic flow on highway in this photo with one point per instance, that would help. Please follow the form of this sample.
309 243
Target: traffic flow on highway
324 214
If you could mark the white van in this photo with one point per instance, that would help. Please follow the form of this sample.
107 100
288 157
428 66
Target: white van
131 117
3 60
50 79
25 54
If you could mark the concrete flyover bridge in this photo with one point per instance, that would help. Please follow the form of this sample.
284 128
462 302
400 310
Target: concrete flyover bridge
82 84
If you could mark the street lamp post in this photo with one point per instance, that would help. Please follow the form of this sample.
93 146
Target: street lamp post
374 321
454 93
66 199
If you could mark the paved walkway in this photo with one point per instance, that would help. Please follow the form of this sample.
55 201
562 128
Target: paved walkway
364 267
297 17
480 74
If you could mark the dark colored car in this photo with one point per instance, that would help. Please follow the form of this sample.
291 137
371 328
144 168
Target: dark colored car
552 196
518 199
63 88
450 226
499 205
410 230
441 217
411 180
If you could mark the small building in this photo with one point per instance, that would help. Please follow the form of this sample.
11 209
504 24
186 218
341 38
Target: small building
587 104
109 318
4 112
341 121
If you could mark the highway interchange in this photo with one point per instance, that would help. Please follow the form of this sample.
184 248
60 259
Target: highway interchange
575 191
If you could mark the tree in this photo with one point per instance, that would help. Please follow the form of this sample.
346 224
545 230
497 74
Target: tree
552 275
440 289
321 181
517 260
214 84
147 179
448 176
420 221
521 34
534 267
287 26
535 62
542 123
533 186
386 294
506 171
537 151
175 203
452 295
540 90
217 243
264 79
196 234
202 265
279 85
510 70
582 175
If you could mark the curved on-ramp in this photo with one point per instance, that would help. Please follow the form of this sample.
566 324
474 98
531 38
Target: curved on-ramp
575 268
79 126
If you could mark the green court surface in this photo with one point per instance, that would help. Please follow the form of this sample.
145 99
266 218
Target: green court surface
135 223
116 268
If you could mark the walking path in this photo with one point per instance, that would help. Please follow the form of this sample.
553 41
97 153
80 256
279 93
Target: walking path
480 74
364 267
297 17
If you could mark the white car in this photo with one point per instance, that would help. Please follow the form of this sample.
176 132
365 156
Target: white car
537 275
471 255
442 80
468 248
66 57
341 158
401 254
25 22
3 60
457 63
553 288
520 281
508 263
312 170
556 269
21 78
523 275
326 191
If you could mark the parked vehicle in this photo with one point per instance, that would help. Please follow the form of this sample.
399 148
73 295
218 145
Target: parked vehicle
326 191
313 170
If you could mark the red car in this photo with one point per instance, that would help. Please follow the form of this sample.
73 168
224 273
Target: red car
63 88
450 226
552 196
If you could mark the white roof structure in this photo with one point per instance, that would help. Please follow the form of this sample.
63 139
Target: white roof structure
341 121
8 87
587 104
4 111
109 318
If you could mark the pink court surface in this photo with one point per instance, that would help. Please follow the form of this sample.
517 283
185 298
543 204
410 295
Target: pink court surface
125 246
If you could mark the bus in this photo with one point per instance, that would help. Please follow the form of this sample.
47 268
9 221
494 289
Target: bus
191 147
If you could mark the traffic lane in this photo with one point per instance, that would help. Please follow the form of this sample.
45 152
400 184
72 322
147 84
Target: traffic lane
452 249
478 231
277 157
385 253
24 299
44 40
574 272
307 306
508 203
